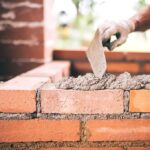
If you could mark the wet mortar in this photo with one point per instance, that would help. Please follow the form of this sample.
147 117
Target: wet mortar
89 81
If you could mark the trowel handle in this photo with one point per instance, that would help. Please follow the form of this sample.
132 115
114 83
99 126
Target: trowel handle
108 43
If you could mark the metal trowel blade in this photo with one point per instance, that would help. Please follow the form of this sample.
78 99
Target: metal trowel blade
96 56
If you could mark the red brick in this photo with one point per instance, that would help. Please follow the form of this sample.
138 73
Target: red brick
112 67
77 54
119 67
64 65
21 51
39 130
53 74
147 68
139 148
139 101
118 130
16 68
22 34
19 94
82 67
24 13
115 56
69 54
54 70
138 56
86 148
81 102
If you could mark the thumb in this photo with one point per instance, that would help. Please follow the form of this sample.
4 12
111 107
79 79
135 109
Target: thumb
118 42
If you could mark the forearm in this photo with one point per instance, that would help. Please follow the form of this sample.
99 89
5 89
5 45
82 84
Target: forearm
141 21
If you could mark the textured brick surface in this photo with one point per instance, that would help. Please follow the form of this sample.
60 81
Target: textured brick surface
39 130
19 94
139 101
118 130
81 102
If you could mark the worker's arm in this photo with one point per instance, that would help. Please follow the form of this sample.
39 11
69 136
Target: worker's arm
139 22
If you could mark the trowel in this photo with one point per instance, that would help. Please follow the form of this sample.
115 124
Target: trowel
96 55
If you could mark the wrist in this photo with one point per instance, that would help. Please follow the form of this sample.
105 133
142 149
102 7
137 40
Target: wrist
132 23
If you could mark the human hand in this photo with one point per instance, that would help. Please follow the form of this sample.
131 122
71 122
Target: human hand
120 29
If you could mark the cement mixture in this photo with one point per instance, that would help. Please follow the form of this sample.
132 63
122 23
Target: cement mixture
109 81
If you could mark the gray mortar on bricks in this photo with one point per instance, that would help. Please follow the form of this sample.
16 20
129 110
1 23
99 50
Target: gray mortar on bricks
89 81
102 144
85 117
126 97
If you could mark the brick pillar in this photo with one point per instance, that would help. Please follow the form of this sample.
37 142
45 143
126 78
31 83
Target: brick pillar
26 33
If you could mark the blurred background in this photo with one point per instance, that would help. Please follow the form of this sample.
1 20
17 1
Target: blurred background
35 32
78 19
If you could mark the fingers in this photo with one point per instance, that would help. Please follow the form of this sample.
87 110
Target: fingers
109 32
109 28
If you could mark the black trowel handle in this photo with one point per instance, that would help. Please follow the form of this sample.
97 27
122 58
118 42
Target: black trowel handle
108 43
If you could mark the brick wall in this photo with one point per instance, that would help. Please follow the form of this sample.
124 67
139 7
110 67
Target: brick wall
118 62
36 115
24 43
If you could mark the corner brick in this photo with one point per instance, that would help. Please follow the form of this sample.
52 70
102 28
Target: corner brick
39 130
118 130
19 94
139 101
81 102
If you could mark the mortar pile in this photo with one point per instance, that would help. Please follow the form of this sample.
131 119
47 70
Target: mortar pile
109 81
